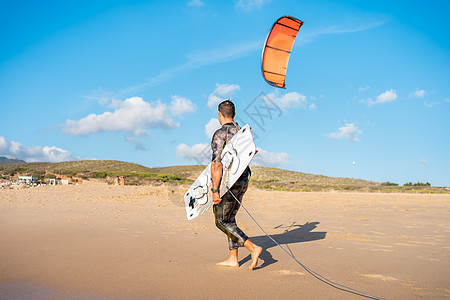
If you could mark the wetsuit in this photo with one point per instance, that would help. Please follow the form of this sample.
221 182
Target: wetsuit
225 212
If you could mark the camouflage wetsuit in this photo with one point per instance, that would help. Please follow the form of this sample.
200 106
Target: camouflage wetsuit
226 210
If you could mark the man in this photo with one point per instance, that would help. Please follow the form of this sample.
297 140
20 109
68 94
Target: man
225 208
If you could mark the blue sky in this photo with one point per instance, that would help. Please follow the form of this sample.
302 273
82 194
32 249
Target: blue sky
368 93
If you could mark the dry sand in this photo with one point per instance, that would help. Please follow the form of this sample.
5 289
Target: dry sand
95 241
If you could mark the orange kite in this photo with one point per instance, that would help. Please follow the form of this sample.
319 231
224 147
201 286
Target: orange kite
277 49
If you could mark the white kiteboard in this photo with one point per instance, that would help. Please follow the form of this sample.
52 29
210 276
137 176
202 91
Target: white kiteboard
236 156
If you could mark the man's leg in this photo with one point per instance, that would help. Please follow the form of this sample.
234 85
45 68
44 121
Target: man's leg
232 260
255 251
225 213
225 221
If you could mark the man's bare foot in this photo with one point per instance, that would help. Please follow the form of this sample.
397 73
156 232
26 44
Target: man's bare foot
255 255
229 263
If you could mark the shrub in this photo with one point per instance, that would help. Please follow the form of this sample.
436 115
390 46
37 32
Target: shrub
417 184
99 175
38 174
68 173
387 183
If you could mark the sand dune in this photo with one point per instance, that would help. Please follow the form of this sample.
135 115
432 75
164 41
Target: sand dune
96 241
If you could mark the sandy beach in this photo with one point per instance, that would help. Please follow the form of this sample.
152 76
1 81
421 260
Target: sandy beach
98 241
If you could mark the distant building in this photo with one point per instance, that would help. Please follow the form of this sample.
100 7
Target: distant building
28 179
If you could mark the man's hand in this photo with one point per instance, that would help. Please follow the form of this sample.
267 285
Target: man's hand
216 198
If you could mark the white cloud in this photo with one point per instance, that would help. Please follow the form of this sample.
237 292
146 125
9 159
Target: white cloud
224 91
133 115
196 3
270 159
387 96
15 149
102 95
291 100
431 104
213 101
180 106
424 161
211 127
419 93
250 5
312 106
201 153
435 103
363 88
349 132
288 100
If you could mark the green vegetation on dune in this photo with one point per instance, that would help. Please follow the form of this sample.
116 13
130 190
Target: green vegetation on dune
85 166
137 178
284 178
181 171
84 170
262 177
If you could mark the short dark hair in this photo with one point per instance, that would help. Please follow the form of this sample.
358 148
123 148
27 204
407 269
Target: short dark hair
227 109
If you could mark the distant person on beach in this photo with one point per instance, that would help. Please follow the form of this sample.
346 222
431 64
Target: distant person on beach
226 208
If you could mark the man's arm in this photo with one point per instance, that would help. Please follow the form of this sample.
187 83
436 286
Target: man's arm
216 176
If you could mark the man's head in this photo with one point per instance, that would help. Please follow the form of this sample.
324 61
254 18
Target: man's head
226 108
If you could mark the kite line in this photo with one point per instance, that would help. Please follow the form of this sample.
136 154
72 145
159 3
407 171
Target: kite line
313 273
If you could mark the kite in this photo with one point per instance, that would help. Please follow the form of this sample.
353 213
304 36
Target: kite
277 49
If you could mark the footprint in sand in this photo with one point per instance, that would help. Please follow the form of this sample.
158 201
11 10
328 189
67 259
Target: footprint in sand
377 233
382 250
362 219
287 272
428 258
138 233
337 248
406 245
121 230
379 276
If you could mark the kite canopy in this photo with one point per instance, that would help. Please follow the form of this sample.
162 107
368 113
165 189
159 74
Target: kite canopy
277 49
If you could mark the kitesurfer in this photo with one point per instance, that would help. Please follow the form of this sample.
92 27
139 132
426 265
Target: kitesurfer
226 208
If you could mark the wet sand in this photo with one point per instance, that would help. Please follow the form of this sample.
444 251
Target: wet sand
96 241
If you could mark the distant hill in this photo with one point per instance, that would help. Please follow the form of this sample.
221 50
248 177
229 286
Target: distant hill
5 160
262 177
89 169
84 166
279 179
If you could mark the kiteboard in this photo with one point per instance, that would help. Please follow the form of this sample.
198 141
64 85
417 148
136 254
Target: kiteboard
236 156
